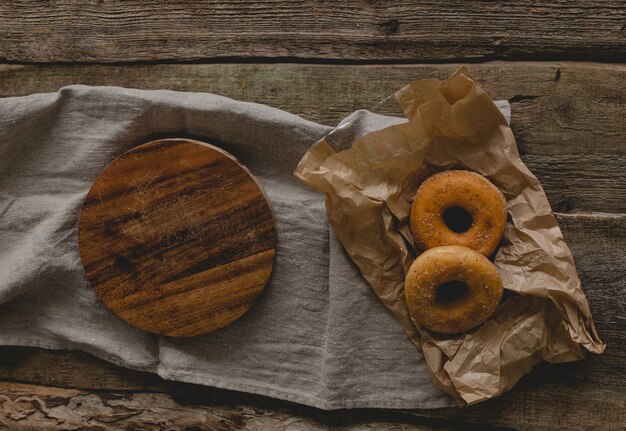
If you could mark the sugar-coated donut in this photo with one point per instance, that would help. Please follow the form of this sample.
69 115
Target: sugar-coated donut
452 289
458 208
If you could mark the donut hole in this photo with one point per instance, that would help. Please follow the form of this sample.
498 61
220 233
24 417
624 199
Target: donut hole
452 293
457 219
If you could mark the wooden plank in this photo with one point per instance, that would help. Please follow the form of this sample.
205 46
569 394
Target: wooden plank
569 118
72 369
118 30
29 407
592 385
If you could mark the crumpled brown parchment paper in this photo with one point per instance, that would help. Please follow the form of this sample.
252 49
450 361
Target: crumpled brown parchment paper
369 189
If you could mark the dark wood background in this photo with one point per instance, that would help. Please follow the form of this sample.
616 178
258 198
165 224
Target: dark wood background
561 65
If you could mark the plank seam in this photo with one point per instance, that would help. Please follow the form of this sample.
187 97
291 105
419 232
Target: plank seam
586 58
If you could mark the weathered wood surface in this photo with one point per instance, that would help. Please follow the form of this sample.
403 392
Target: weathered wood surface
119 30
570 124
167 274
569 119
31 407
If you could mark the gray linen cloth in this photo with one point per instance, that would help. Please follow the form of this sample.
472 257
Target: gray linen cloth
317 335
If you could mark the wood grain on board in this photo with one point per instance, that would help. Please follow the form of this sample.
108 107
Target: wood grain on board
177 237
368 30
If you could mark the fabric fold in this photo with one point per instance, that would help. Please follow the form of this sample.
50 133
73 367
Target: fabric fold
317 335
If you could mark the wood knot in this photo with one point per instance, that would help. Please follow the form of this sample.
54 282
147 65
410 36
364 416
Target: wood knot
565 111
391 26
563 205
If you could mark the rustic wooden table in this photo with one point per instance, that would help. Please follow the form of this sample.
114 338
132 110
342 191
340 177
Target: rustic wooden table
561 65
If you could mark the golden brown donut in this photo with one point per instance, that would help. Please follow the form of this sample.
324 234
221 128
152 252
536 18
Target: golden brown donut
452 289
458 208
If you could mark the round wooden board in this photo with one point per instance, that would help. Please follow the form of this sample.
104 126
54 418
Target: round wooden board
177 237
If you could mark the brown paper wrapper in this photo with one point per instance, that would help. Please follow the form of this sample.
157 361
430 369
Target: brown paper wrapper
369 189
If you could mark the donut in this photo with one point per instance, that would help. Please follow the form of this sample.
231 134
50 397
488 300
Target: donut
458 208
452 289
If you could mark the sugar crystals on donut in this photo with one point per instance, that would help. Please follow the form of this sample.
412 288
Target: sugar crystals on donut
452 289
458 208
458 218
